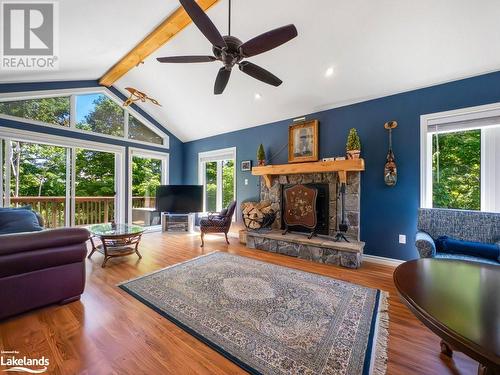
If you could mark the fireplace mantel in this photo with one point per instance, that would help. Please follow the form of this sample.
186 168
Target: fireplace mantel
340 166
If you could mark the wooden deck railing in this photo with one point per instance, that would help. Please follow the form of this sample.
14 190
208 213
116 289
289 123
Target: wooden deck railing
88 210
143 202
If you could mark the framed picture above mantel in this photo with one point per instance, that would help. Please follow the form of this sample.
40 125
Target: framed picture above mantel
303 142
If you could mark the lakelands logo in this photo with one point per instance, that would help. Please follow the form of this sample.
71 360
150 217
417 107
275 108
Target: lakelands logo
29 35
12 363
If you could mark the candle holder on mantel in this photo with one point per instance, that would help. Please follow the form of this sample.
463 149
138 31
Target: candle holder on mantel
390 169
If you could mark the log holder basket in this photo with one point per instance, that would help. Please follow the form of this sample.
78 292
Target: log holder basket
265 222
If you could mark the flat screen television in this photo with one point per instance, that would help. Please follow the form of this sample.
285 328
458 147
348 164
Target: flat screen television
179 199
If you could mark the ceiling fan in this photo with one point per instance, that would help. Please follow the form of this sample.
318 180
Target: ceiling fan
230 50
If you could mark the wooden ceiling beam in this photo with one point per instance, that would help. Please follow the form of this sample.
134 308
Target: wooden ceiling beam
177 21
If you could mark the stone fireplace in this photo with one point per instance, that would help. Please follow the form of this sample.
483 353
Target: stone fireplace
325 178
328 181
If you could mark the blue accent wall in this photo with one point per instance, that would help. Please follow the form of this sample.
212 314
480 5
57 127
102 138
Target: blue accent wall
385 212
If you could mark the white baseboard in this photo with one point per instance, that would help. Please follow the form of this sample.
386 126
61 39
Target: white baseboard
382 260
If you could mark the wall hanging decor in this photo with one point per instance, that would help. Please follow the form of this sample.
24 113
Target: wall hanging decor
136 95
246 165
390 169
303 142
353 145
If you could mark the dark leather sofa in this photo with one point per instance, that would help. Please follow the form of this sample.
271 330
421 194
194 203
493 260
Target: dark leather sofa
41 268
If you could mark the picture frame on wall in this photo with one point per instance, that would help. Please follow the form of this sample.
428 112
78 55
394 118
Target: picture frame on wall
246 165
303 142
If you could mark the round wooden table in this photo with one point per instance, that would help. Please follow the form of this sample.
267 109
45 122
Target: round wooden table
460 302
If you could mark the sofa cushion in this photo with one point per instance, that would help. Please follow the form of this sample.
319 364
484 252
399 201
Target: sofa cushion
465 225
29 261
14 220
27 207
445 244
47 239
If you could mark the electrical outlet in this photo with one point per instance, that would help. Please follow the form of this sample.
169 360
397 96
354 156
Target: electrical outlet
402 239
246 181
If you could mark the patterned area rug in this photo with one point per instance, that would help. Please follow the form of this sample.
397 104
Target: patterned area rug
271 319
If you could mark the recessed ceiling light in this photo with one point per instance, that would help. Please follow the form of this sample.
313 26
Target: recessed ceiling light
329 72
257 96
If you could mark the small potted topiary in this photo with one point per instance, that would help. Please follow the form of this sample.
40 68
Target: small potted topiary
353 145
261 155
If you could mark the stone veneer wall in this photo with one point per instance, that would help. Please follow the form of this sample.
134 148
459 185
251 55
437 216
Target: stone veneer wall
352 197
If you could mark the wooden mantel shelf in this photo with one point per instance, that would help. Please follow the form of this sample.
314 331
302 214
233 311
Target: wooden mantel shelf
340 166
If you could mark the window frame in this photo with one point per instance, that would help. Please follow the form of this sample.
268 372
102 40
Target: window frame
489 201
9 134
127 121
165 177
72 94
217 156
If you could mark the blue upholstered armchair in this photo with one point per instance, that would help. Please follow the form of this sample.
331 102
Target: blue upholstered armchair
463 225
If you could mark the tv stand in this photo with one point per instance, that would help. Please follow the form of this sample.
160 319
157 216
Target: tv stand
177 222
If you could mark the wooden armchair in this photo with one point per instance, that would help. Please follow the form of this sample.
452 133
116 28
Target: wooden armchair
218 222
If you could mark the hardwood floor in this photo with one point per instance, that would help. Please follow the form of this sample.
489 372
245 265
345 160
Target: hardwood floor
110 332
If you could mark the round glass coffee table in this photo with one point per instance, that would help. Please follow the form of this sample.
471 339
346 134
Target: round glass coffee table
117 240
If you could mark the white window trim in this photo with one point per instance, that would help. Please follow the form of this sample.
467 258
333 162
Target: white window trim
9 134
488 162
165 161
72 93
216 155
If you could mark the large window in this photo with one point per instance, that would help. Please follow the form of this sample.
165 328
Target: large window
147 170
461 159
99 114
54 111
137 130
38 178
217 175
95 187
68 181
84 111
456 170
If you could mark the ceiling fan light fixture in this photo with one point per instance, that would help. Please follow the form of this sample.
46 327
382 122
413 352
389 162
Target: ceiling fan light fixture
231 51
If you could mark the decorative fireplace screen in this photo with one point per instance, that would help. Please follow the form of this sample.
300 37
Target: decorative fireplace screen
305 208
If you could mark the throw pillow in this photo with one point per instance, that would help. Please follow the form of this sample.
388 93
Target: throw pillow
445 244
18 221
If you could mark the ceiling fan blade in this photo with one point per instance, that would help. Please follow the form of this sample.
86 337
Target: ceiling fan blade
186 59
221 80
259 73
268 41
203 23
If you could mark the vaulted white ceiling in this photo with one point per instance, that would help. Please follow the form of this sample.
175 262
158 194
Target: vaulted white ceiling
376 48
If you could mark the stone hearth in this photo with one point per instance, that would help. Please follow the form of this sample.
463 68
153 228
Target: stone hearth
316 249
